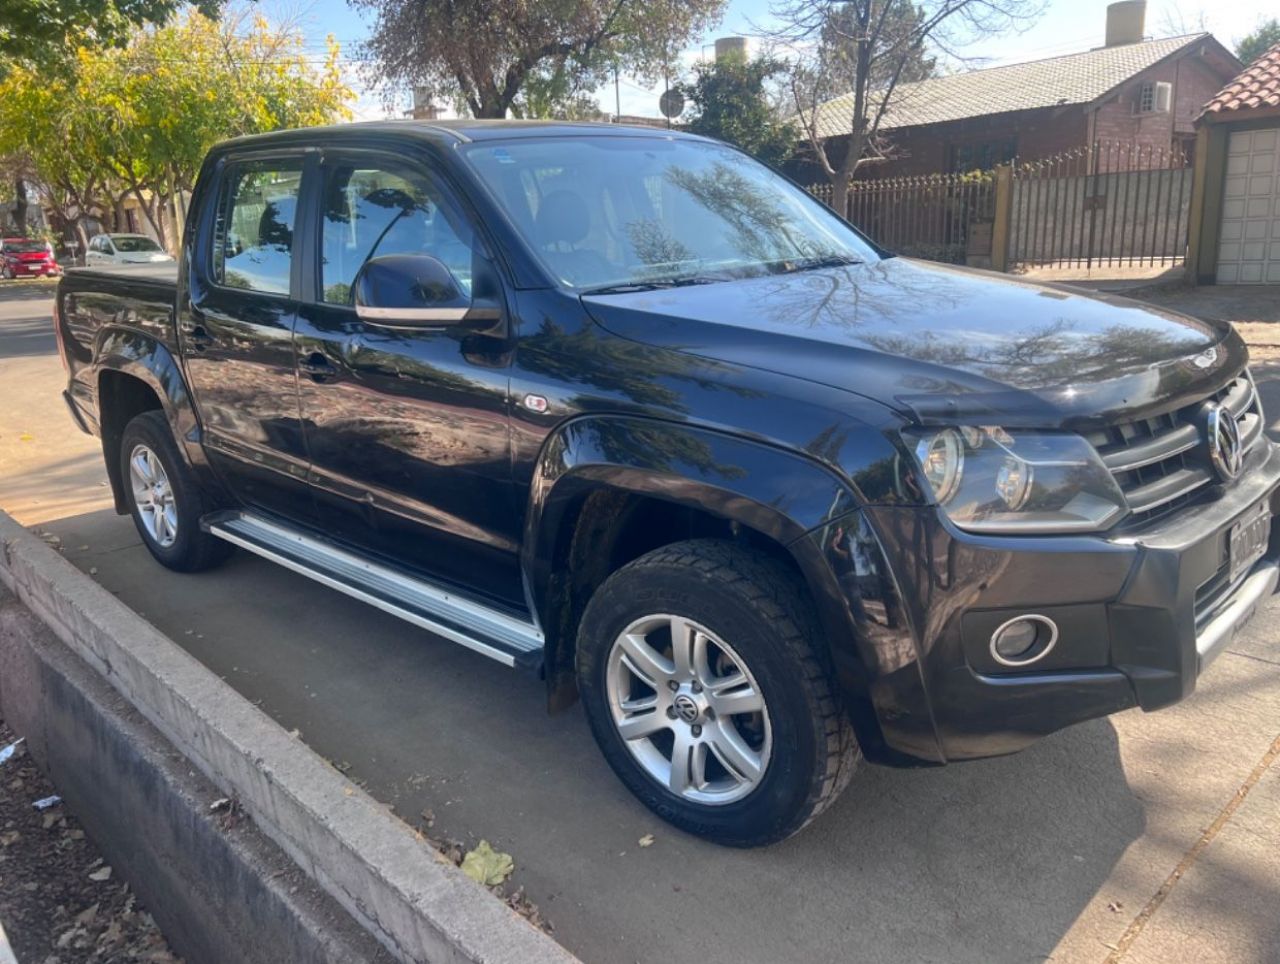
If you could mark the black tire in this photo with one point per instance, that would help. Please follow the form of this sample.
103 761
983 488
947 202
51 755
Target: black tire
191 549
749 600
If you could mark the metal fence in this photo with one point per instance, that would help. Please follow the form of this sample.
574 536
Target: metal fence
941 217
1106 204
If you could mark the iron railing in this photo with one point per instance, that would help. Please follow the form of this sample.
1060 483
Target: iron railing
941 217
1105 204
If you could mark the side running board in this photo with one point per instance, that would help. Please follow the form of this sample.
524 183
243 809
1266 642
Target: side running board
508 639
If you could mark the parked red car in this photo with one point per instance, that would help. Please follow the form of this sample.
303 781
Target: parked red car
27 257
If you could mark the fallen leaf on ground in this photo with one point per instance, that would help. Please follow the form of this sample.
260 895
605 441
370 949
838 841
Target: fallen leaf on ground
26 437
101 874
646 840
487 866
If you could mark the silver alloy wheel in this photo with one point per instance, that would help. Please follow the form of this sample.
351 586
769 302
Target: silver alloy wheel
153 496
688 709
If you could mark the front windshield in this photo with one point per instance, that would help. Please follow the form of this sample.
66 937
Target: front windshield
616 212
132 245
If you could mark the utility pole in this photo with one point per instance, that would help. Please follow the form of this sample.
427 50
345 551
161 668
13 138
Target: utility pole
617 97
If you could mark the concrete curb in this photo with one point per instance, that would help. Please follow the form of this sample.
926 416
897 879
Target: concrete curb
418 906
221 891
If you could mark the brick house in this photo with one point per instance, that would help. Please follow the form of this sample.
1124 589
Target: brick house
1147 93
1235 203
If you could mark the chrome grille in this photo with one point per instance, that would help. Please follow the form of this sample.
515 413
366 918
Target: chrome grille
1159 462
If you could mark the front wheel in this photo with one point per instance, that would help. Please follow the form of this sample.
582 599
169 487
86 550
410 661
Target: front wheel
699 670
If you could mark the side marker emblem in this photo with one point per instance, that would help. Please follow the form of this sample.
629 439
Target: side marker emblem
535 403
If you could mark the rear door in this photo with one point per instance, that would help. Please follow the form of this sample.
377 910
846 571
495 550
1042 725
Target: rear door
235 327
407 427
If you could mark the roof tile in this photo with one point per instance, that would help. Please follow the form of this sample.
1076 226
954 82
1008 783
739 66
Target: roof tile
1059 81
1258 86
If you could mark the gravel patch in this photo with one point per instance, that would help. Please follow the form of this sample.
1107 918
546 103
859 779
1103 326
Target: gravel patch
59 901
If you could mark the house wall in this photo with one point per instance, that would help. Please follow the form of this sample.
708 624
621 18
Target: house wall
1118 120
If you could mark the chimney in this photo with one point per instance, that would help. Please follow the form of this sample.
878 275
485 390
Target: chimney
1126 22
727 47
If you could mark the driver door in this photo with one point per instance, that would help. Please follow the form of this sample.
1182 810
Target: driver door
406 427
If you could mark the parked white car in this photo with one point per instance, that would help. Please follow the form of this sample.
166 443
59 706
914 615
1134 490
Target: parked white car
106 249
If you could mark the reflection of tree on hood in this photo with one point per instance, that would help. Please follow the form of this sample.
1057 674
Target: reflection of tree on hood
1051 355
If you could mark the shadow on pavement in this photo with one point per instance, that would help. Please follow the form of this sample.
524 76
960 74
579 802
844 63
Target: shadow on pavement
985 861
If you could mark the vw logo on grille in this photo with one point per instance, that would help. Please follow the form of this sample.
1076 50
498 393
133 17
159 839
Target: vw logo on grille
1225 451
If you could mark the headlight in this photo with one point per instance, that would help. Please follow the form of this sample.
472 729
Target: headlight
990 480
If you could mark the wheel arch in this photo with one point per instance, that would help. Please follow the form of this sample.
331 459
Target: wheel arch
136 373
607 491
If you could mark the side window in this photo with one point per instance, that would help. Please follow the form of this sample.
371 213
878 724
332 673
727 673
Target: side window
253 235
371 212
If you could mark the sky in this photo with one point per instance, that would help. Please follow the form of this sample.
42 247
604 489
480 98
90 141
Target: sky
1066 26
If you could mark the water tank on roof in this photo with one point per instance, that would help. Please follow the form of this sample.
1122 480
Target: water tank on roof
1126 22
731 47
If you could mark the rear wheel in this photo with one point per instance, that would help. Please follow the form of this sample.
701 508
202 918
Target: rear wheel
698 670
164 498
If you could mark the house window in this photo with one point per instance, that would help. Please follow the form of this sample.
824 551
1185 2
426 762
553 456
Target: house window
981 155
1147 98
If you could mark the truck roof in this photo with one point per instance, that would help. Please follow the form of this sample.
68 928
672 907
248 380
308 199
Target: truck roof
455 131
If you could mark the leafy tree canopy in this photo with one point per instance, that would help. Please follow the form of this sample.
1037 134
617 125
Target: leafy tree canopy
137 120
42 32
488 53
730 102
1259 42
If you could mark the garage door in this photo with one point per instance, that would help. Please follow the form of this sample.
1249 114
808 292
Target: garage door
1249 249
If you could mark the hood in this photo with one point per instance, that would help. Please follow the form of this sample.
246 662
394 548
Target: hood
939 343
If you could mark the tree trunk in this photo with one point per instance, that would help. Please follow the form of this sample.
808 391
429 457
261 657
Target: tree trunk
82 236
20 206
840 194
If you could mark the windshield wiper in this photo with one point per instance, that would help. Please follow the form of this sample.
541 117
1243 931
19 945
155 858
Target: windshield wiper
653 284
812 264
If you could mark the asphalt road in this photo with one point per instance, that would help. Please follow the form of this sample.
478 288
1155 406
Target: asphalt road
1065 852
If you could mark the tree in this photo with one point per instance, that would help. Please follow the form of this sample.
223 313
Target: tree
486 53
730 102
863 50
1266 36
45 31
137 121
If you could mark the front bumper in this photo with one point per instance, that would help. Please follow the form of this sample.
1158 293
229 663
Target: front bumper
1141 616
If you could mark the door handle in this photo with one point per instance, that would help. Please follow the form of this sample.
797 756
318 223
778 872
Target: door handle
317 366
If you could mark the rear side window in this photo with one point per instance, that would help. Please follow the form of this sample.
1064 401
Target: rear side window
253 236
371 212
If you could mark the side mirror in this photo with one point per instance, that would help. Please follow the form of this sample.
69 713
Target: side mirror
416 290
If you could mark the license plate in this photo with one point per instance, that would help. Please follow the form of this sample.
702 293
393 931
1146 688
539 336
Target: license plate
1248 542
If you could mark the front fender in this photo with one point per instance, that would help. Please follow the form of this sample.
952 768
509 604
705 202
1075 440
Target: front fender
799 503
778 493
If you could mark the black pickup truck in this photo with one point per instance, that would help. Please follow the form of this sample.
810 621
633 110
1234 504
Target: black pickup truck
628 410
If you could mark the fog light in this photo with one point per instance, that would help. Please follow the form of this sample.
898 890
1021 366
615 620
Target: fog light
1023 640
